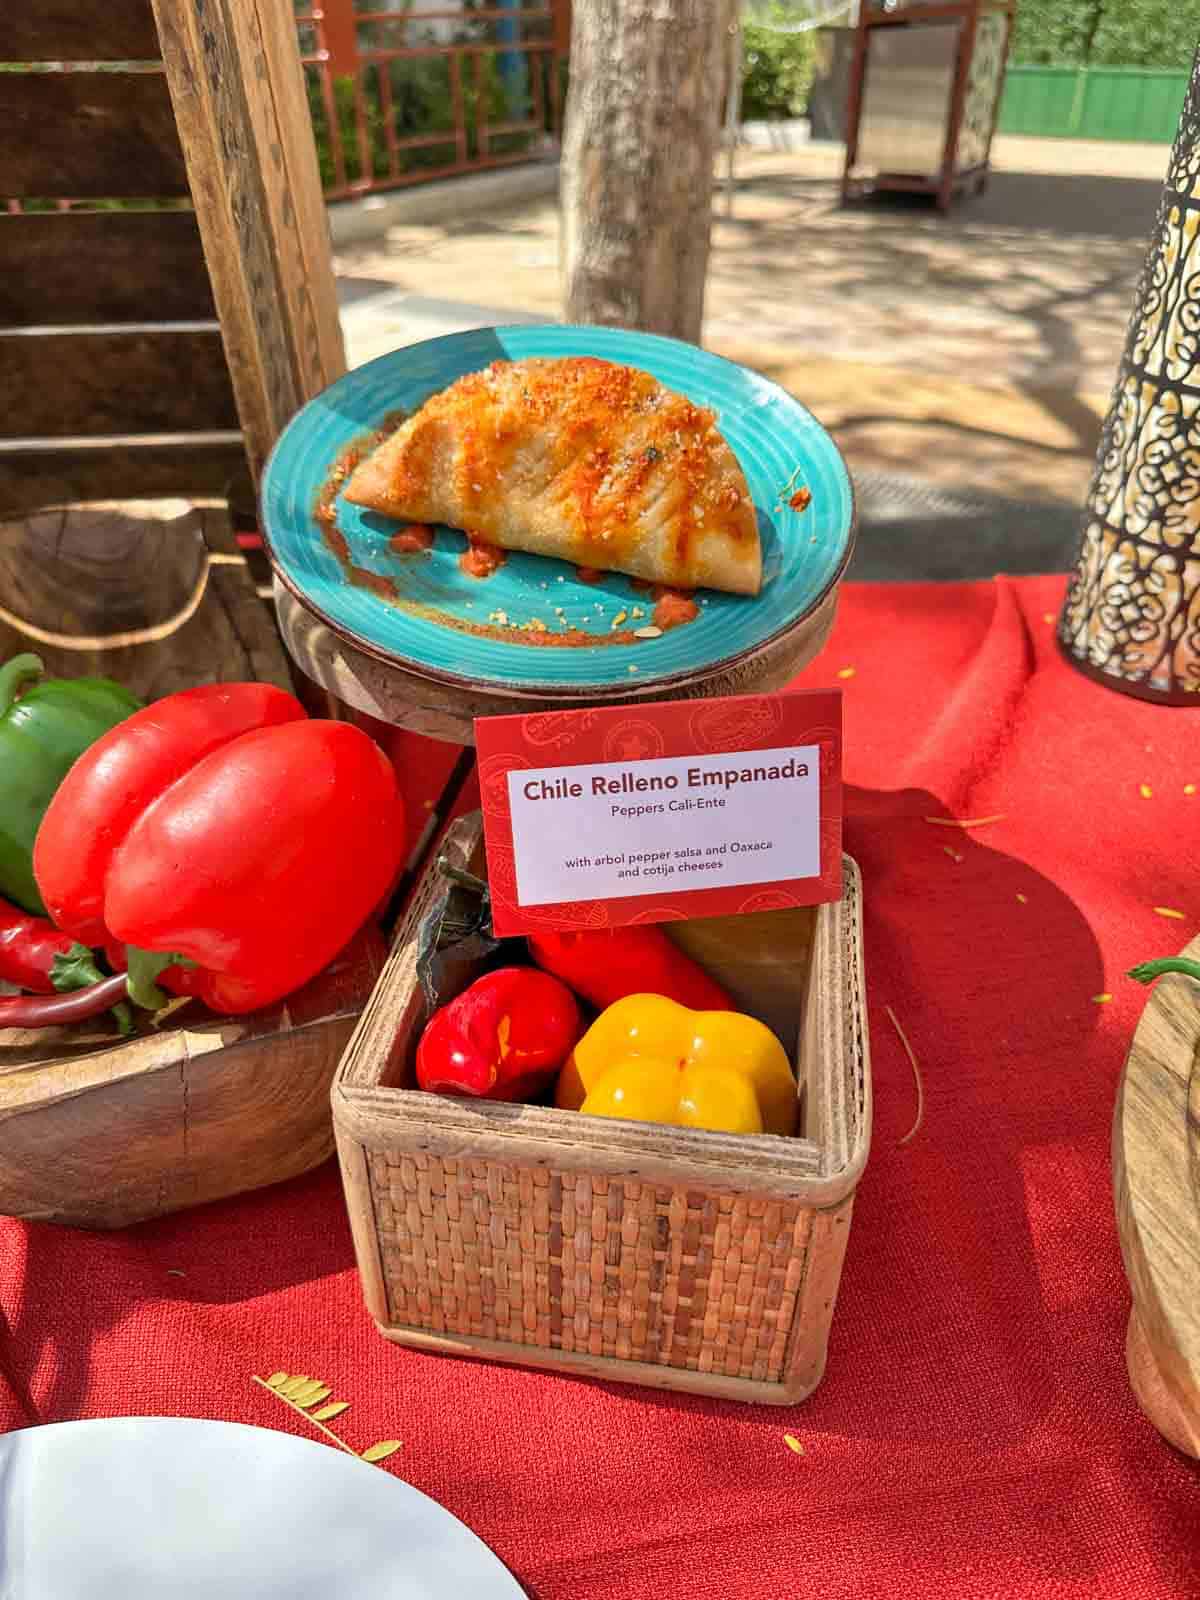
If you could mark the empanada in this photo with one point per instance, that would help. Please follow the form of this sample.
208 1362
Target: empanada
594 463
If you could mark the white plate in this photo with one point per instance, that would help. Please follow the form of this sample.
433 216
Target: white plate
176 1509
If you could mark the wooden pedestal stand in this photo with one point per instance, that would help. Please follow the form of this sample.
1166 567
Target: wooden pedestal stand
1156 1178
444 709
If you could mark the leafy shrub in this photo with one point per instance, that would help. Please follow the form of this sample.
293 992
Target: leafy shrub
1147 33
1053 33
1111 33
778 72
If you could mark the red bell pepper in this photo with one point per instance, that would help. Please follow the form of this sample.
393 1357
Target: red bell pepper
36 956
232 844
118 778
503 1038
29 947
608 964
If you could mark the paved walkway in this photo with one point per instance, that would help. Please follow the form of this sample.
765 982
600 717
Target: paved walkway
975 351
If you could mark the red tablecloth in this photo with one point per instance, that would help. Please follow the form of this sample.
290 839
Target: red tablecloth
974 1435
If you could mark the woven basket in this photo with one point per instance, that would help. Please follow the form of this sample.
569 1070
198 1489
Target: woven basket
674 1257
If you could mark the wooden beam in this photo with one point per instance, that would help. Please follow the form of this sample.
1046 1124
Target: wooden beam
79 30
958 100
854 100
561 10
239 96
85 135
339 35
102 266
123 380
57 474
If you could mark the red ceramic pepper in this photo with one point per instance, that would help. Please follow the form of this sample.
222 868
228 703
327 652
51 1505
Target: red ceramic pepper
606 965
225 838
505 1037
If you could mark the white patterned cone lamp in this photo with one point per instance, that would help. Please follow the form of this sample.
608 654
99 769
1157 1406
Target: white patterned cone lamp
1131 617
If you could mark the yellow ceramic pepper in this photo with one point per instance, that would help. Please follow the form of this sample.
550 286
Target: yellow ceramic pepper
652 1060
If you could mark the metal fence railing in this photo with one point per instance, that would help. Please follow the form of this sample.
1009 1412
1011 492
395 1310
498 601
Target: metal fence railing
406 90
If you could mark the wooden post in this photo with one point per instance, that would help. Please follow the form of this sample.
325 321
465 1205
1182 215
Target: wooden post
561 11
962 73
339 35
858 72
1010 19
237 86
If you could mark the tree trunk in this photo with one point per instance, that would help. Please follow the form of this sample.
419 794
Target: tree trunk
642 130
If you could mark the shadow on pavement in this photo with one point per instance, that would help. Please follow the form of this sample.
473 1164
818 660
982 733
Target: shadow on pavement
912 531
1113 208
1061 204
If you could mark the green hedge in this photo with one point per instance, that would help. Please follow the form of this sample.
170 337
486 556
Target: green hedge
1147 33
1111 33
778 74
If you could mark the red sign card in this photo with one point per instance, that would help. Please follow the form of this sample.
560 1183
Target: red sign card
654 813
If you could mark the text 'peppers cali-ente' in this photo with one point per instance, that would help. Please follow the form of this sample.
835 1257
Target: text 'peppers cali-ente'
225 838
45 724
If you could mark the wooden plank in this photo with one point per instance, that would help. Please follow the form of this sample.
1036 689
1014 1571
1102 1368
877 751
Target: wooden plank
105 469
102 266
561 12
55 385
86 135
80 30
239 95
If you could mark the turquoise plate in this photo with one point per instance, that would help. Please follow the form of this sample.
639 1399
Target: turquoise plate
779 444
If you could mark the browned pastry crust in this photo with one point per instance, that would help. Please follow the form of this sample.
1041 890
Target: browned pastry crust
594 463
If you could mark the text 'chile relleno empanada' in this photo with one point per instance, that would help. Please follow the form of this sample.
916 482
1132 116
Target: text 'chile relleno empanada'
595 463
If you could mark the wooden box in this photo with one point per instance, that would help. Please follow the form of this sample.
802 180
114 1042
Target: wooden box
674 1257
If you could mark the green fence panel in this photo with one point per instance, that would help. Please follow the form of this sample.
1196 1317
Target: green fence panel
1128 103
1039 101
1163 106
1142 106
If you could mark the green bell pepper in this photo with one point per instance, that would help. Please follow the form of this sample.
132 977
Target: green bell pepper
45 726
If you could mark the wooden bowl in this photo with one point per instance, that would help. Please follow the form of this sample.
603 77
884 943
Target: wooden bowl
1156 1180
100 1134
